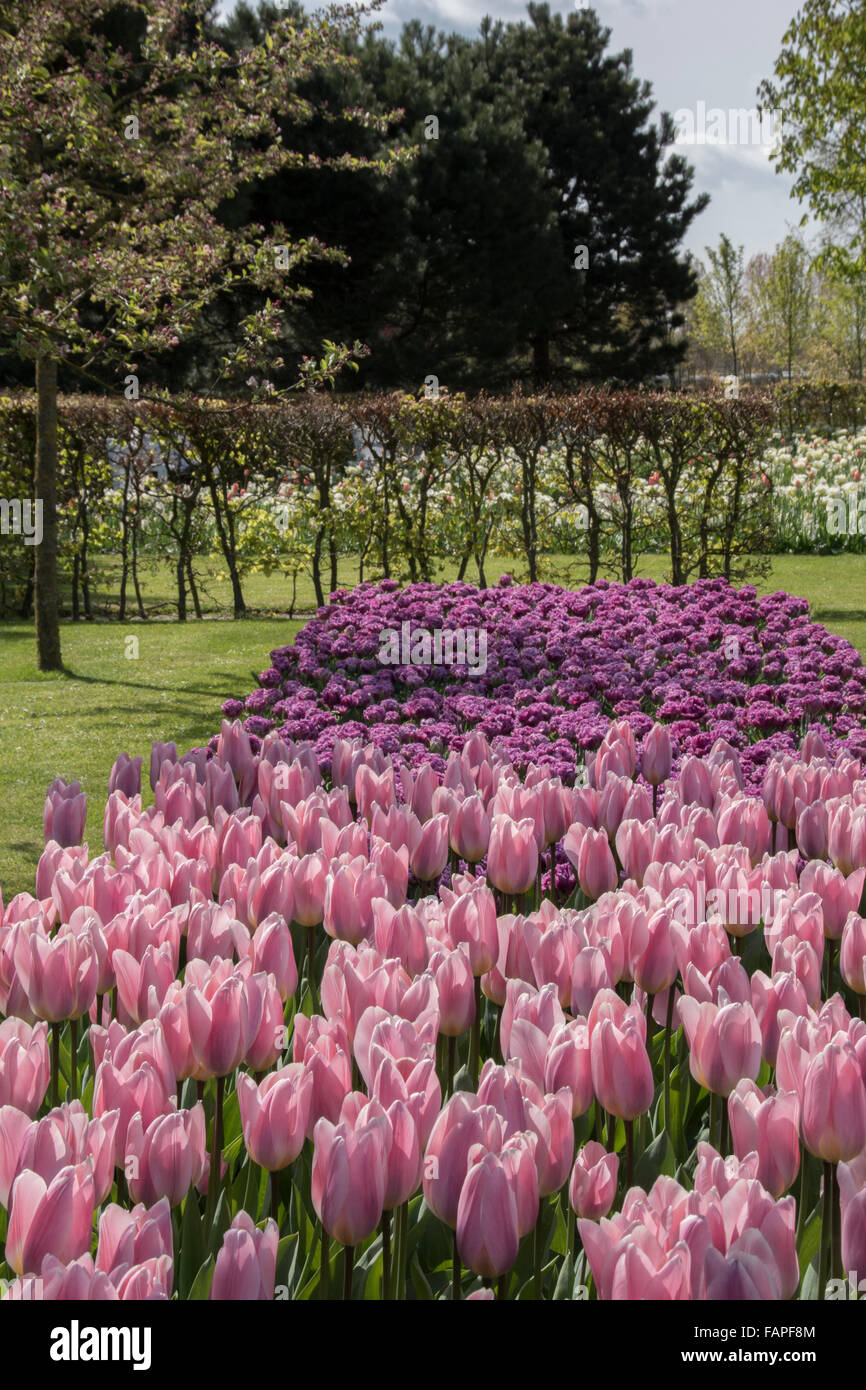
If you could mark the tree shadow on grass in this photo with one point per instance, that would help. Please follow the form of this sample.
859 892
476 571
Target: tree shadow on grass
71 674
839 615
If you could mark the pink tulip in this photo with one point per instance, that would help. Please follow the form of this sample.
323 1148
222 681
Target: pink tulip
568 1064
63 1137
847 836
220 1026
799 959
833 1114
135 1091
713 1171
463 1123
767 1123
635 844
852 1194
77 1282
53 1218
695 783
749 1207
724 1043
518 1159
590 855
656 755
161 753
380 1034
612 801
58 974
622 1076
65 813
275 1115
404 1153
125 775
705 946
471 918
839 895
325 1051
783 993
592 971
353 980
399 934
812 831
746 1272
512 855
551 1123
799 1041
174 1021
430 854
470 832
310 877
507 1090
654 966
25 1064
488 1238
246 1266
592 1188
149 1281
272 953
852 956
166 1158
528 1019
142 985
801 917
267 1032
372 790
344 917
131 1237
455 992
348 1178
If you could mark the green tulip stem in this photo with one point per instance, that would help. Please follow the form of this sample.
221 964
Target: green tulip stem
666 1059
826 1231
386 1255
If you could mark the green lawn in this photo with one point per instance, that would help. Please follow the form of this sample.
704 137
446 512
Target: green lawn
74 724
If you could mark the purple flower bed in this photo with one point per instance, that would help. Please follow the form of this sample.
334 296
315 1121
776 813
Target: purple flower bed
709 660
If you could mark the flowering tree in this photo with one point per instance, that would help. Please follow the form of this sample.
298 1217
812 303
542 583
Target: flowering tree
123 130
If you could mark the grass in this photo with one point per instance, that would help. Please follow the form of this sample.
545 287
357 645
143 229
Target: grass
73 724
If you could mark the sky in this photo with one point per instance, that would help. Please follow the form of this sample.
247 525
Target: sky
691 52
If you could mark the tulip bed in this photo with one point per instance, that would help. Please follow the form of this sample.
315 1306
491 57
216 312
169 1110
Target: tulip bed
709 660
332 1019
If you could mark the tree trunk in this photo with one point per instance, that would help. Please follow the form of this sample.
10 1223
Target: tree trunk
541 358
193 588
26 610
124 552
332 551
181 589
317 560
76 610
226 533
45 579
135 581
85 569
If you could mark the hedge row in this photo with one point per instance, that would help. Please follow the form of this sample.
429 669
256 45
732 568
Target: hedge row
406 485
